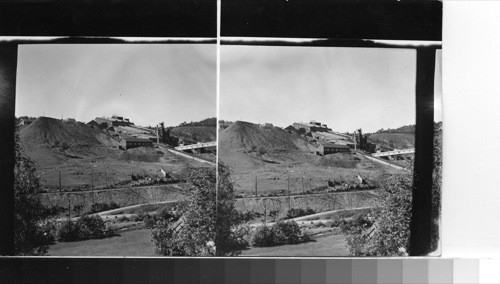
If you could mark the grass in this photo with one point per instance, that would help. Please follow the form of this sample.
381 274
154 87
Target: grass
132 243
332 245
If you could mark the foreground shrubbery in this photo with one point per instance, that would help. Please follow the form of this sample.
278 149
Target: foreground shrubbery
299 212
32 228
86 227
281 233
207 225
102 206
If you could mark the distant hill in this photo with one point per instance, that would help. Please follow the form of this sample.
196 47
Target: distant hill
206 122
407 129
393 140
399 138
247 135
195 133
53 132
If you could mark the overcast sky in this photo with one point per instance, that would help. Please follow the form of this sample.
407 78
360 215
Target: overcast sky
346 88
146 83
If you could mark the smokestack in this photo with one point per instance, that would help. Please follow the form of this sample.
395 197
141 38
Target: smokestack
157 134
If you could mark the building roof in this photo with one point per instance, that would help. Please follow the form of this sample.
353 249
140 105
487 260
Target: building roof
134 139
331 145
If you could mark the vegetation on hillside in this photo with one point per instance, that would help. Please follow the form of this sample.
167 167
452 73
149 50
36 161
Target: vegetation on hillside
407 129
85 228
32 230
205 122
388 233
280 233
206 222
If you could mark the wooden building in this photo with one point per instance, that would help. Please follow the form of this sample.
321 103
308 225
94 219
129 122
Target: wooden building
132 142
329 148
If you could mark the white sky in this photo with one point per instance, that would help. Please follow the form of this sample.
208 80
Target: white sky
146 83
346 88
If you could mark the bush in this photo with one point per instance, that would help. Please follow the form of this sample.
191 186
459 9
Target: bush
100 207
299 212
263 237
86 227
280 233
286 233
64 146
69 232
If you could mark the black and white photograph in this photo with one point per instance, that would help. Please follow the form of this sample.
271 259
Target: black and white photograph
115 149
319 144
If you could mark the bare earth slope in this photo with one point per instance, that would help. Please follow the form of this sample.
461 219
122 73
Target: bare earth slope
49 131
247 135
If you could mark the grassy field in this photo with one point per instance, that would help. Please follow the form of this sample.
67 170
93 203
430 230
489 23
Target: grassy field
331 245
299 172
132 243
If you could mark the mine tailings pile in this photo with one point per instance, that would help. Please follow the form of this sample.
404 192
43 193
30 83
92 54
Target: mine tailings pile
247 135
50 131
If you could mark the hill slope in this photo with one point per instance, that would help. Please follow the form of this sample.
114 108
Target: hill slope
393 140
49 131
246 135
195 133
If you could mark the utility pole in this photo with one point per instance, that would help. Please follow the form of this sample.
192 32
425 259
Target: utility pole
69 209
302 184
289 200
92 183
255 186
265 212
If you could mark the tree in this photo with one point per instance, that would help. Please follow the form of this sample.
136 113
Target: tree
205 227
390 233
31 230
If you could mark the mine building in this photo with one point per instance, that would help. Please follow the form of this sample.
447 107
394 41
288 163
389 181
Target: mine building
312 126
115 120
132 142
329 148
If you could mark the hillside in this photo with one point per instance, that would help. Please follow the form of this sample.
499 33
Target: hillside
53 132
195 133
246 135
393 140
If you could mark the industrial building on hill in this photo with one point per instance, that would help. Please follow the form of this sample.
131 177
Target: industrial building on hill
115 120
329 148
312 126
132 142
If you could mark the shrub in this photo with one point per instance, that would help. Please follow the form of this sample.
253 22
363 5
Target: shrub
69 232
280 233
64 146
150 223
86 227
205 228
286 233
299 212
91 226
261 151
263 237
102 206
